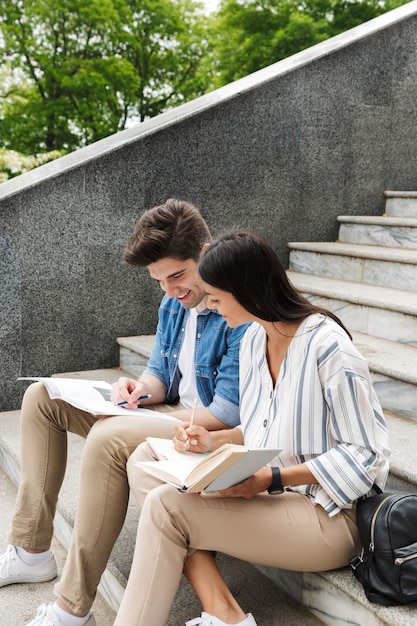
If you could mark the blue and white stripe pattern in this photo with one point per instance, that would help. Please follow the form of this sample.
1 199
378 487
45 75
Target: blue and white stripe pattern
322 411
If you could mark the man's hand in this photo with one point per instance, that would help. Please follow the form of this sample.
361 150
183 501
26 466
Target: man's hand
129 391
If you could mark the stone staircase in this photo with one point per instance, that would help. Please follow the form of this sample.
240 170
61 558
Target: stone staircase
369 278
355 278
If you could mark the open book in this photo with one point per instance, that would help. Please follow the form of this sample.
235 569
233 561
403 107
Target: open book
92 396
196 473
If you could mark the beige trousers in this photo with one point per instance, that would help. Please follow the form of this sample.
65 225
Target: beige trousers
286 531
103 489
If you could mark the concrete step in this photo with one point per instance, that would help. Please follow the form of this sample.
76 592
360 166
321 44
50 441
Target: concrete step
274 596
337 599
375 265
134 352
326 594
403 442
110 375
255 591
393 368
378 231
330 596
380 311
401 203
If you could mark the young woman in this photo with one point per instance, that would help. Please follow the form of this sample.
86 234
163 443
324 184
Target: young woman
305 389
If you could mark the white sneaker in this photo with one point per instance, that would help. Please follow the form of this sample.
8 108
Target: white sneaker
14 570
46 616
209 620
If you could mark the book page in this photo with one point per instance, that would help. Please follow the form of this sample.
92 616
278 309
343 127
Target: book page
164 450
165 471
173 466
92 396
194 472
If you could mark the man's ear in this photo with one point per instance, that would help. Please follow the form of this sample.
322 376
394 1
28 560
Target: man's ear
205 247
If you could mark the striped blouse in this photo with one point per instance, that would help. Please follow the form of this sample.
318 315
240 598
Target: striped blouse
322 411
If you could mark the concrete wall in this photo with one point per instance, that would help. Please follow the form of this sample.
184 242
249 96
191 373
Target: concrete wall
285 151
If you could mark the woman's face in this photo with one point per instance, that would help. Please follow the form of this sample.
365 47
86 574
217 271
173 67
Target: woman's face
227 306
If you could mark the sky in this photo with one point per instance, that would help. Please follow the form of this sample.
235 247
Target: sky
211 5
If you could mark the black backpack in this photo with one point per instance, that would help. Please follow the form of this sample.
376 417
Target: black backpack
387 565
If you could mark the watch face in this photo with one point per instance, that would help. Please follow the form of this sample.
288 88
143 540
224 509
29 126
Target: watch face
275 492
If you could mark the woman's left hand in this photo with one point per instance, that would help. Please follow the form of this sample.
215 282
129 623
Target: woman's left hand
250 487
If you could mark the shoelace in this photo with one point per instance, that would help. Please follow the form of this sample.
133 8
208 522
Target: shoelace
42 616
5 561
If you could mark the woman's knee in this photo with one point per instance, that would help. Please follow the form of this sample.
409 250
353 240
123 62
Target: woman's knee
140 481
133 469
161 503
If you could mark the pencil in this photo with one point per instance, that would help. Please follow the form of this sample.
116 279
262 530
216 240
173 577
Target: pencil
187 443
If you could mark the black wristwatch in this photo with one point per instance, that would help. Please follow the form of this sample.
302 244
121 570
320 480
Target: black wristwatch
276 486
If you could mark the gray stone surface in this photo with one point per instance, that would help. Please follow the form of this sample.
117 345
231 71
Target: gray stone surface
284 151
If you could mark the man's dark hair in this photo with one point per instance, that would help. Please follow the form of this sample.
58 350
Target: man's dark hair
174 229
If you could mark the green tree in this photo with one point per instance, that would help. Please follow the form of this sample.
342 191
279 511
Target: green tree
85 68
75 71
13 163
247 35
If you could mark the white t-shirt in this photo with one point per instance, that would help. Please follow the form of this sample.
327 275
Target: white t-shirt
188 387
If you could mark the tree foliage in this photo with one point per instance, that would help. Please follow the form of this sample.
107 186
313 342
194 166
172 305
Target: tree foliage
75 71
248 35
13 163
89 66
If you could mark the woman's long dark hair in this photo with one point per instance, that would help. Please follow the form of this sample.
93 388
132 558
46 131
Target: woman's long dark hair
242 263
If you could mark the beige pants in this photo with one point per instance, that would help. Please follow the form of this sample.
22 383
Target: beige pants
286 531
103 488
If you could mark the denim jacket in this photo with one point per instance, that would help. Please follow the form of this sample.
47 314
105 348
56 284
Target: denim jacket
216 358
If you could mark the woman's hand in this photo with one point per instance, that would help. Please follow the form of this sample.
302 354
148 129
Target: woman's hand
193 438
250 487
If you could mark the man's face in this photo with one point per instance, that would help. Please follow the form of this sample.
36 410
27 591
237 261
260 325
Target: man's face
179 279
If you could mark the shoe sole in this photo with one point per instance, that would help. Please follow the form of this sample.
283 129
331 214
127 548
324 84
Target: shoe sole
28 579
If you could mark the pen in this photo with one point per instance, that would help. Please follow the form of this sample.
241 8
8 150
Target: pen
140 398
187 443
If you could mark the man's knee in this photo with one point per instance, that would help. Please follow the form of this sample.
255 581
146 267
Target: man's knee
111 438
36 402
36 394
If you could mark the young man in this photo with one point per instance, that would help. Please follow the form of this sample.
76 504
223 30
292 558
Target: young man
195 356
